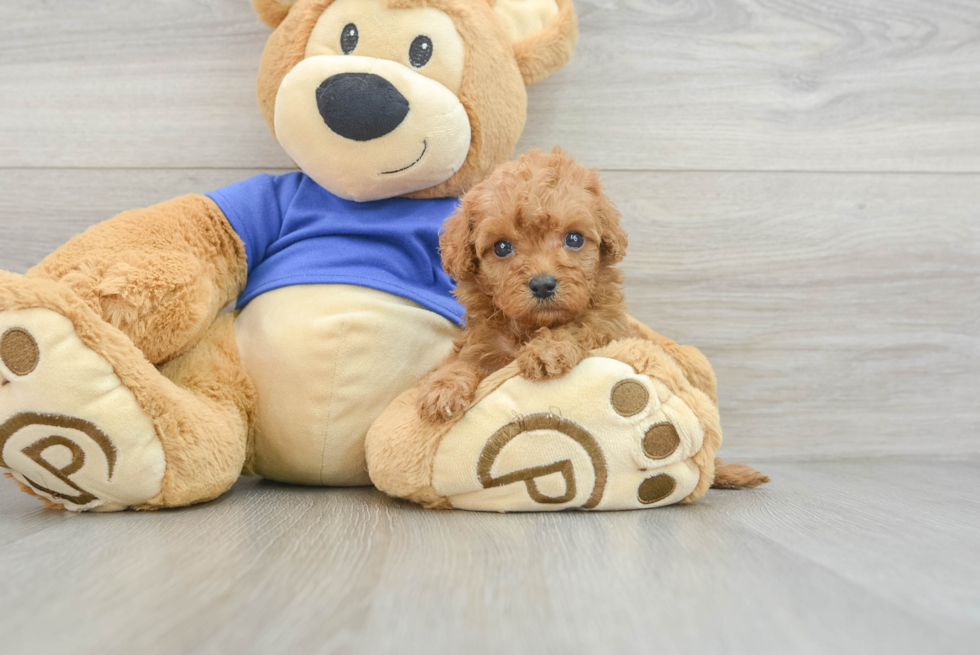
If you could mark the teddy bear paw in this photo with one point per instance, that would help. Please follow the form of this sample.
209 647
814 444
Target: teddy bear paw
70 431
620 440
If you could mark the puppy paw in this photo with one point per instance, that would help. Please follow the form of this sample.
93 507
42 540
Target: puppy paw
547 361
442 398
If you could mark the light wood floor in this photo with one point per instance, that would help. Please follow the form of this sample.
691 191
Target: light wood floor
801 184
859 556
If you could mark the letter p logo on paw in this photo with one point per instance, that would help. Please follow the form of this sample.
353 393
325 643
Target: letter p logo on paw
69 428
617 440
64 440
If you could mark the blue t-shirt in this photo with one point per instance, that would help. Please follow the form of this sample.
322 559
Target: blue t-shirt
297 232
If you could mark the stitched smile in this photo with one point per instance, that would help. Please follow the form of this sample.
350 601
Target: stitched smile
425 146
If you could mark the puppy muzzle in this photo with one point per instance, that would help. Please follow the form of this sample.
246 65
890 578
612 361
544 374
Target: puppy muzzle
543 287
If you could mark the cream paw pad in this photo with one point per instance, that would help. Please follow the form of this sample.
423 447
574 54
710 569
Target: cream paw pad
623 430
69 429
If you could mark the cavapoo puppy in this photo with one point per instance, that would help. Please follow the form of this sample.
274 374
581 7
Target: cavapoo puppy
533 251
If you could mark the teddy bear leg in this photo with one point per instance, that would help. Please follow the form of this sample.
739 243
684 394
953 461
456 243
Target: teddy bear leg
205 460
87 423
625 429
699 373
696 367
160 275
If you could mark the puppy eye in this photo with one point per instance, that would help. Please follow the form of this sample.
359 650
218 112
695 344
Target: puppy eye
349 38
420 52
574 240
502 248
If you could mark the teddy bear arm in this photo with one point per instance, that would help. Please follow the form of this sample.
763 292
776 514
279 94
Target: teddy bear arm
160 274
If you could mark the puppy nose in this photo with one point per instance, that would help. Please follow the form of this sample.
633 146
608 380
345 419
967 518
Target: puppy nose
360 106
543 286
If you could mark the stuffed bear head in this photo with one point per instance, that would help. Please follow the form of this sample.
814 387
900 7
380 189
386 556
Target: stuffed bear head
422 98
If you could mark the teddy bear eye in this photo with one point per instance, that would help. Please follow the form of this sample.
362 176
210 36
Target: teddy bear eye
420 52
502 248
348 38
574 240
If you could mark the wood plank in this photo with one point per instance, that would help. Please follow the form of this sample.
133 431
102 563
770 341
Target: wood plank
99 83
870 85
840 311
832 557
815 85
40 210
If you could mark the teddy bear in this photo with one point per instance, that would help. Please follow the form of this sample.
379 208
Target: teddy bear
265 327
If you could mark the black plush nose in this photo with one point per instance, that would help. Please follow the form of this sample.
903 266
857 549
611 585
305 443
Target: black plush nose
543 286
360 106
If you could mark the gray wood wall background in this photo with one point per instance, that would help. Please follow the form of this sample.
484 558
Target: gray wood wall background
800 180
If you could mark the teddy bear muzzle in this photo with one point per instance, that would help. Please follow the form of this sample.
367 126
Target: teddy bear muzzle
366 128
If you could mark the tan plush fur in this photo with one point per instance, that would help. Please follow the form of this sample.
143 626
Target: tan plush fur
400 450
540 55
532 204
272 12
493 84
209 447
202 429
401 445
285 48
492 92
160 274
694 364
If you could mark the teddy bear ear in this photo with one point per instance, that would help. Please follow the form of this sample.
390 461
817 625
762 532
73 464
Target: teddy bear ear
272 12
544 33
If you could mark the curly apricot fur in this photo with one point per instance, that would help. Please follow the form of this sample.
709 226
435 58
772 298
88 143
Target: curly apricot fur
533 203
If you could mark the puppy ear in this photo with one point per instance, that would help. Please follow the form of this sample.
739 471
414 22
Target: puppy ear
544 33
456 246
272 12
612 246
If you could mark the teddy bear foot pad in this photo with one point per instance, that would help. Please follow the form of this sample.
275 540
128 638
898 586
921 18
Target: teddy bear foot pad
70 431
625 441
